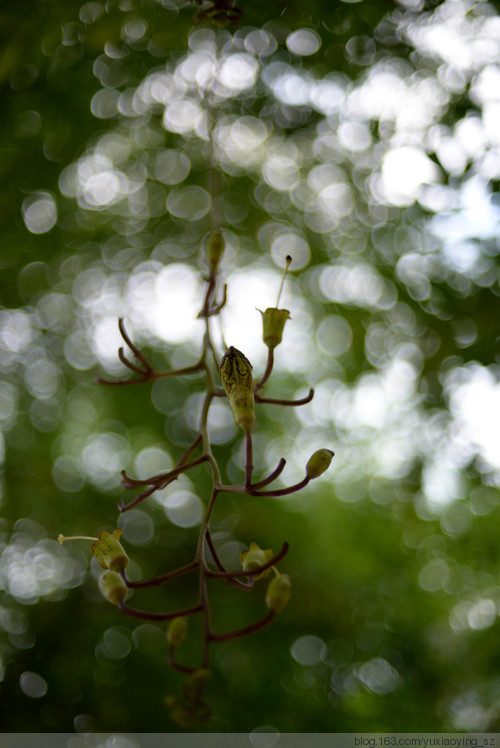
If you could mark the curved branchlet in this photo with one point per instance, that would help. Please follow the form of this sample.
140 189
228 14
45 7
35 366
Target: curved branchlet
272 401
143 368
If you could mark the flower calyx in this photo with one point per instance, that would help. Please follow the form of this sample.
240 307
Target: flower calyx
274 319
254 558
109 551
273 324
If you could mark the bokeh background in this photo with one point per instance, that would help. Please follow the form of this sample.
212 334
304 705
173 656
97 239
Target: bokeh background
363 139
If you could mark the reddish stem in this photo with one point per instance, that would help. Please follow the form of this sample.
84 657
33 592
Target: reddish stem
140 356
282 491
129 482
161 481
268 370
272 401
163 579
128 363
248 459
177 665
272 476
216 309
244 631
147 616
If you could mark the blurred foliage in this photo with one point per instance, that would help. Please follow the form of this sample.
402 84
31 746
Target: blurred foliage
362 139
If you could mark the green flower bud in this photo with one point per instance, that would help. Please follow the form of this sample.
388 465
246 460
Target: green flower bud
214 248
192 688
236 378
187 715
273 323
112 587
278 593
108 550
254 558
177 630
319 462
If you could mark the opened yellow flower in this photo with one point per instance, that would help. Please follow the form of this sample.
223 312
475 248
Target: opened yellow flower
106 548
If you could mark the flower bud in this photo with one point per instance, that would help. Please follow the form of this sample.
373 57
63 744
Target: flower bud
236 377
319 462
192 687
108 550
187 714
214 248
278 593
254 558
177 630
112 587
273 323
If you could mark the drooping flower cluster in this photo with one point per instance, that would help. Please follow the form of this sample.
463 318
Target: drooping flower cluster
242 392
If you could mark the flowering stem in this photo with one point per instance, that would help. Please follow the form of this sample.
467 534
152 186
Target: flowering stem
216 309
272 476
144 372
144 495
248 458
268 370
272 401
283 491
163 579
244 631
215 557
177 665
208 296
158 482
147 373
147 616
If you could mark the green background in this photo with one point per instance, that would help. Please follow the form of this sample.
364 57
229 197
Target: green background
394 552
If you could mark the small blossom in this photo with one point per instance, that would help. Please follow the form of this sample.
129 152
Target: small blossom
108 550
254 558
273 324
